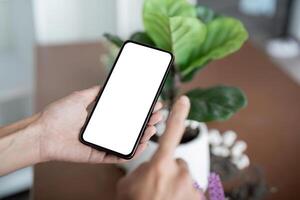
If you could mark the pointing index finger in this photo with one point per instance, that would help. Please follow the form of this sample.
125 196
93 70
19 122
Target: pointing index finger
174 130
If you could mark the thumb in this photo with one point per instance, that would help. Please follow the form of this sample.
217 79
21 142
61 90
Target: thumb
90 94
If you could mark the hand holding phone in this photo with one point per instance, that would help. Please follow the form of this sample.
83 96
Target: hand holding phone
58 126
124 105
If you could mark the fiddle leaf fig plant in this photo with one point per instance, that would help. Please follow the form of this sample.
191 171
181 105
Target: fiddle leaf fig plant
196 35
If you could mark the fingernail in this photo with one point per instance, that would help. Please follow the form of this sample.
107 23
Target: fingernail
153 131
160 117
159 104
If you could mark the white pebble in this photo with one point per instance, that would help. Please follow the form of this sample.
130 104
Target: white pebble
238 148
241 162
220 151
229 138
214 137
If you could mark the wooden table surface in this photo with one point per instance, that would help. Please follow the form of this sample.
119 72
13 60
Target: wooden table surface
270 124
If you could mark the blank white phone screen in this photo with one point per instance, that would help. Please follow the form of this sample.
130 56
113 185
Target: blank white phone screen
127 98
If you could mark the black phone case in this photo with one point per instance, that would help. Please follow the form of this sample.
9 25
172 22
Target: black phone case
130 155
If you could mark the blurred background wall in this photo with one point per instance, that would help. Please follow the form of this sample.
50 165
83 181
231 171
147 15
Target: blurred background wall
67 21
295 27
17 37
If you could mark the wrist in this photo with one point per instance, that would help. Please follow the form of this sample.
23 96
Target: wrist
30 137
34 131
19 149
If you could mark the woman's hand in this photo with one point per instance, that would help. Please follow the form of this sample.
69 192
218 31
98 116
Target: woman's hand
163 177
60 123
53 134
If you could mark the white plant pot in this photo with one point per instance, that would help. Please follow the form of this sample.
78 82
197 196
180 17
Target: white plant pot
195 153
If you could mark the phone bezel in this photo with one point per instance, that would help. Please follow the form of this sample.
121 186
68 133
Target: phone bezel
131 154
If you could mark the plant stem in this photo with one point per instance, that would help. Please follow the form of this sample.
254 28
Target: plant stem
175 85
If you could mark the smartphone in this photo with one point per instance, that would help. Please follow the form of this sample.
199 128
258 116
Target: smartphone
127 99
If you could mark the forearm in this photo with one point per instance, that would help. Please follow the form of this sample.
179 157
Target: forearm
6 130
19 149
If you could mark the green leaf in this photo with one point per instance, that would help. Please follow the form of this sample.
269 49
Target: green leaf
114 39
173 26
216 103
142 37
205 14
170 8
224 36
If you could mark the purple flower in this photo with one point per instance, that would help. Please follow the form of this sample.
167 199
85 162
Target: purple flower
215 187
